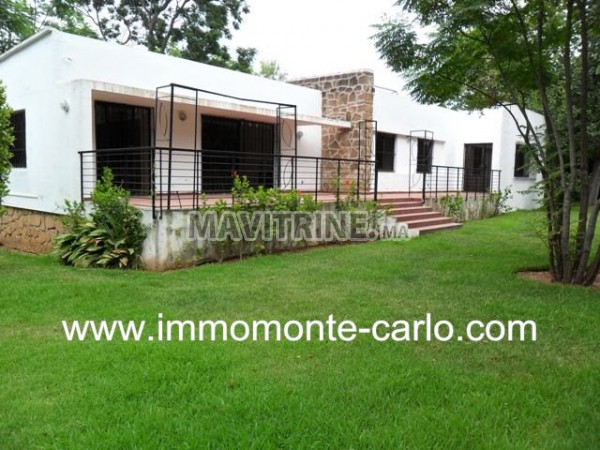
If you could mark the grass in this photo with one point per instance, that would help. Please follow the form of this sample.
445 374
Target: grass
362 394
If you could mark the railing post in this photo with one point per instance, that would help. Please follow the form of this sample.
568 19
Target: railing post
169 169
81 174
317 180
436 182
337 195
161 182
376 182
152 155
358 178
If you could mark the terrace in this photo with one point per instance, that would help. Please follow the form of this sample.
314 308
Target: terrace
170 162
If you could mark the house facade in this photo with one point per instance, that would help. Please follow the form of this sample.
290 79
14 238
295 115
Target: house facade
172 129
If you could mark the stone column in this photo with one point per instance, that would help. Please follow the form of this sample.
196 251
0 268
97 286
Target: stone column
349 97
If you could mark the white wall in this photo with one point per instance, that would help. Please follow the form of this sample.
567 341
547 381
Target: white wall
53 136
60 68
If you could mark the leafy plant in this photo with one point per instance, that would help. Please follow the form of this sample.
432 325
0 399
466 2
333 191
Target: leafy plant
454 206
500 201
6 140
248 198
111 237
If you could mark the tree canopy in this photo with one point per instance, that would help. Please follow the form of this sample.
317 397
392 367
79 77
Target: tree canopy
536 55
15 23
272 70
191 29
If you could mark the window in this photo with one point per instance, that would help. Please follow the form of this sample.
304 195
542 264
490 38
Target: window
424 155
385 148
522 162
19 159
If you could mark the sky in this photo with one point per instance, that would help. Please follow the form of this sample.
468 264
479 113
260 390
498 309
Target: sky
317 37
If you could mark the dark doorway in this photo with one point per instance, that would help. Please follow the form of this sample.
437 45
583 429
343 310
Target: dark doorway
233 147
478 167
126 131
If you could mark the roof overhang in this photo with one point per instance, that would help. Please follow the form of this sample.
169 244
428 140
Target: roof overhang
211 106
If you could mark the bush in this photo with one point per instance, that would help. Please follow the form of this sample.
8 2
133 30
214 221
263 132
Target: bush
6 140
111 237
248 198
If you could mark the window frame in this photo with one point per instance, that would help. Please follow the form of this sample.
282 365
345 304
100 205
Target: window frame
522 170
19 145
385 152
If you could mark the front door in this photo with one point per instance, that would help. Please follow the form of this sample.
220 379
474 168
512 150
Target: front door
125 132
478 167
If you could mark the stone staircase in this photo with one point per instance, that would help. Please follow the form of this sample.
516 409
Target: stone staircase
417 216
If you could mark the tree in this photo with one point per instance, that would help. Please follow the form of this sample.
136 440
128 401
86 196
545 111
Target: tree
6 140
15 23
272 70
539 54
192 29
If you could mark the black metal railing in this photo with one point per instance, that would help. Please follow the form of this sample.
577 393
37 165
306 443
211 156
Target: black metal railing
447 180
177 178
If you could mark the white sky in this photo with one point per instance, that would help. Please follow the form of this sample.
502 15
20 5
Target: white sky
317 37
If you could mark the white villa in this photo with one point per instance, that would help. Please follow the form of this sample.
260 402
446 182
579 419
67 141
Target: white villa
171 129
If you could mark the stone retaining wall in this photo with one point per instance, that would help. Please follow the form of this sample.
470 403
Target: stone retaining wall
29 231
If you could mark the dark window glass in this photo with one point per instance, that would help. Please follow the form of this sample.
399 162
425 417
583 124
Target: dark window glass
385 148
521 162
424 155
19 159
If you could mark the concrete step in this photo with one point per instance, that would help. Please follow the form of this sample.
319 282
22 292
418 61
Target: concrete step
409 210
422 223
399 200
442 227
406 216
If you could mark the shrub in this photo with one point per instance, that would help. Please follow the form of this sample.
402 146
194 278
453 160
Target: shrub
6 140
500 201
111 237
454 207
248 198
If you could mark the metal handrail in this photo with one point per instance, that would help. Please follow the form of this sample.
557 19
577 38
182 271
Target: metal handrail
446 179
162 172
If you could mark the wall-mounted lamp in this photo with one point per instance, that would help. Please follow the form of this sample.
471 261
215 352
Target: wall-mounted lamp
182 115
64 105
299 135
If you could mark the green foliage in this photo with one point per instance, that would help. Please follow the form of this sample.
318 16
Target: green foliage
189 29
272 70
446 69
248 198
454 207
16 23
111 237
6 140
346 195
19 19
500 201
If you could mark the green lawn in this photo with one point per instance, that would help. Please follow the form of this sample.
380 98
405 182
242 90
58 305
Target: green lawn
361 394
